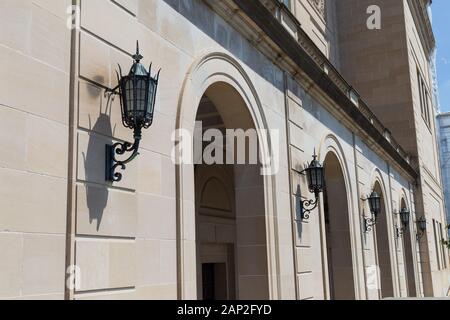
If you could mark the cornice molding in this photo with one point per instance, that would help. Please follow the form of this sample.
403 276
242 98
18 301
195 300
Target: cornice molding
260 22
319 5
419 9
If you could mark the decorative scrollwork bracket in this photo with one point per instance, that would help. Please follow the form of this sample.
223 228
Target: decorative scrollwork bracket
399 232
113 164
369 224
307 206
315 175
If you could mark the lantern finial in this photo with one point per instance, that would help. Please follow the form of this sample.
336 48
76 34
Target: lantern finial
137 56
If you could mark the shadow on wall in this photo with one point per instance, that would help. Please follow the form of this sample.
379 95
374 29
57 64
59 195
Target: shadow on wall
199 14
298 211
97 193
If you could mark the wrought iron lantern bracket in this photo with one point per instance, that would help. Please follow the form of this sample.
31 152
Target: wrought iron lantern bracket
113 164
114 91
369 224
422 228
309 205
420 235
400 231
137 92
315 174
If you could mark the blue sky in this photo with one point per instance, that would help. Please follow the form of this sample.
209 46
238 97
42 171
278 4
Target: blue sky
441 25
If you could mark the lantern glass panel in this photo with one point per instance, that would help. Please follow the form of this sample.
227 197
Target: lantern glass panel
138 92
320 178
141 97
375 203
423 224
378 204
312 178
129 98
151 97
404 216
317 182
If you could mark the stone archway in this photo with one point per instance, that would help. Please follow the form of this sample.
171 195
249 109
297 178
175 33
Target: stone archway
230 230
381 235
341 276
408 255
331 152
225 83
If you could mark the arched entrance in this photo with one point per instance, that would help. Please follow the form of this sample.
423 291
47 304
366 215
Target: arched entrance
338 236
383 247
409 258
230 213
224 82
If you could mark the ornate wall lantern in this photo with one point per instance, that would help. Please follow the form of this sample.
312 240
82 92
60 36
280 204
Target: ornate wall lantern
315 174
137 92
422 227
375 209
404 219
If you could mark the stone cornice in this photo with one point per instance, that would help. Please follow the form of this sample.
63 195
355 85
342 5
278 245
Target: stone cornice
319 5
419 9
260 22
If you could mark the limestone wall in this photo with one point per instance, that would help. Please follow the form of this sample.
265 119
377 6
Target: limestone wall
34 120
318 20
311 126
432 188
126 239
384 65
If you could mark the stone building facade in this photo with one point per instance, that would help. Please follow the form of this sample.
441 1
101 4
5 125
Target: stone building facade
310 70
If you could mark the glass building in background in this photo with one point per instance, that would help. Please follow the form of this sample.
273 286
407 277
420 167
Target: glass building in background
444 135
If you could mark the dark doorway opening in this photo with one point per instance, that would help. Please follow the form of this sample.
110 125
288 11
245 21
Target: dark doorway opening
409 259
337 226
231 243
214 276
383 248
